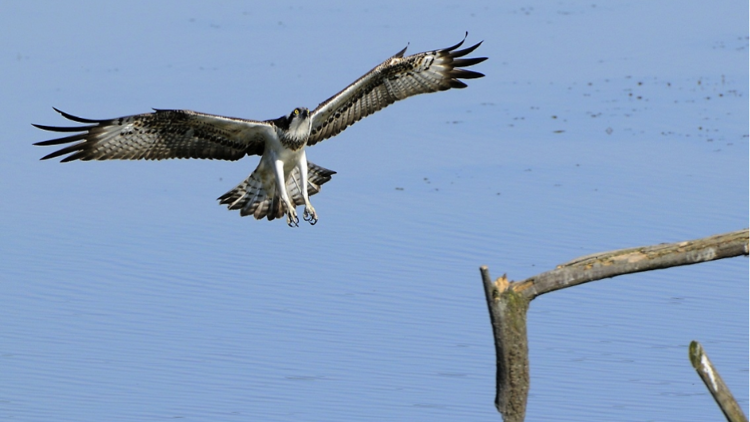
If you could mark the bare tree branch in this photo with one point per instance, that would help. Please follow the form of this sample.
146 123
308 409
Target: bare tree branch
714 383
508 302
632 260
508 318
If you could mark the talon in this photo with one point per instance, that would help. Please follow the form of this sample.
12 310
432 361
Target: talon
292 220
310 216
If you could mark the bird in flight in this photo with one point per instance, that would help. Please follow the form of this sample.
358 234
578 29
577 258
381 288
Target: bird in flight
284 178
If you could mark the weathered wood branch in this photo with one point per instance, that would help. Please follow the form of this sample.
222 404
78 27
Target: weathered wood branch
632 260
714 383
508 302
508 317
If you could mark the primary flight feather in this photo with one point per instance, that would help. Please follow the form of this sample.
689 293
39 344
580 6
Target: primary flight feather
284 178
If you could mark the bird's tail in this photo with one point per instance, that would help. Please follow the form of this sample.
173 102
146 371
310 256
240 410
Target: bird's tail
251 198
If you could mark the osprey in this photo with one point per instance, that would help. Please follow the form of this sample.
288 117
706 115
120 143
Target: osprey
284 178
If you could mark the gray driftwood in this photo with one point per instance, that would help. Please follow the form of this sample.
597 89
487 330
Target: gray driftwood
508 301
714 383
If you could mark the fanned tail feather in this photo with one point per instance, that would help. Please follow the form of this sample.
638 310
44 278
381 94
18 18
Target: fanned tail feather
251 198
316 176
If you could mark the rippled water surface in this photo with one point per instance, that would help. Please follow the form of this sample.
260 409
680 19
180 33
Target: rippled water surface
129 294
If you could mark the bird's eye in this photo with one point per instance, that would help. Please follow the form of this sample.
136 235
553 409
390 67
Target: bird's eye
296 111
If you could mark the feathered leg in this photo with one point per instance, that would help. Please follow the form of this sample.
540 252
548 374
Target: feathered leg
309 215
291 214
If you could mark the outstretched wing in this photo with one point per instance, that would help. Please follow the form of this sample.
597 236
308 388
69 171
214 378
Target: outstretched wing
159 135
397 78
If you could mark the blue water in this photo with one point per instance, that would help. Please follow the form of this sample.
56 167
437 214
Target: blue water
129 294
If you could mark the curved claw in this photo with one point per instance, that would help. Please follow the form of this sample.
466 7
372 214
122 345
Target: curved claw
310 216
292 220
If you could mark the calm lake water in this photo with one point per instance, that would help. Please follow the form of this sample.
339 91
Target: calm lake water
128 294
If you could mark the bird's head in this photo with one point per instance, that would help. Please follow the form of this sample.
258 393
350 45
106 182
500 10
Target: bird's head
299 123
298 114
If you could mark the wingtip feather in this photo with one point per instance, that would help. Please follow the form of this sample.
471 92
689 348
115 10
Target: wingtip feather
468 62
455 83
62 152
76 156
453 47
465 74
63 128
74 118
65 140
465 51
401 53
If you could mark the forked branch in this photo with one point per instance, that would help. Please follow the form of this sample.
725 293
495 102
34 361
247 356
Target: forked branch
508 301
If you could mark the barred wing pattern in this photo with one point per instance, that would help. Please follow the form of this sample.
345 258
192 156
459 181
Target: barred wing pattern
397 78
160 135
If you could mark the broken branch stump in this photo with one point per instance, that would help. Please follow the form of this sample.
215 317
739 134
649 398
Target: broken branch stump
508 302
